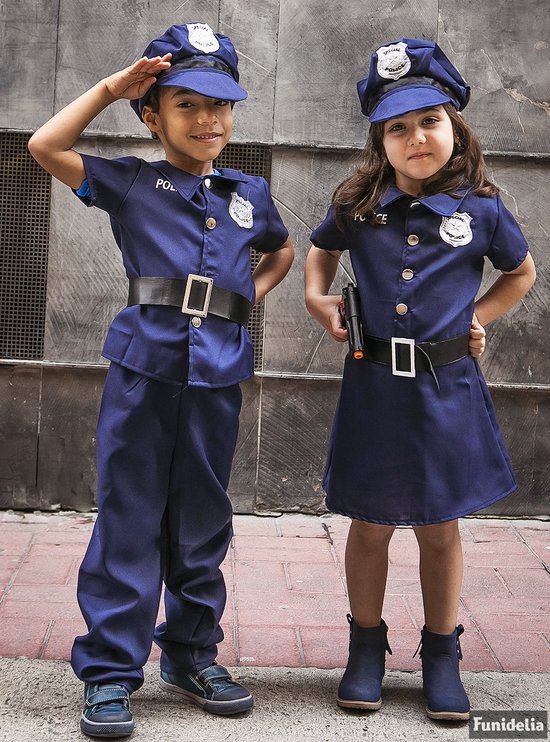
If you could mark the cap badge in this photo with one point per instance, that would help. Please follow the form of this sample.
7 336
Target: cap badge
455 230
202 37
393 61
240 210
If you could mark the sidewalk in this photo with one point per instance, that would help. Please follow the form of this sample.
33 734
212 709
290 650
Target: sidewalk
287 608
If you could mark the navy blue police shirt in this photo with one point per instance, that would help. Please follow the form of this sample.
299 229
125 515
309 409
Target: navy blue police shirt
419 268
169 223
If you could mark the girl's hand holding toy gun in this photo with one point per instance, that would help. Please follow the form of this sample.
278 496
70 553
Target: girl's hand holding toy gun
350 312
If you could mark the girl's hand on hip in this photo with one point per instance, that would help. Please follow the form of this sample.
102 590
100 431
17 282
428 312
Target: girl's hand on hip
476 345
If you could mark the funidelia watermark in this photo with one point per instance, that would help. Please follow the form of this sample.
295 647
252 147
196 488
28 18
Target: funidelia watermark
508 725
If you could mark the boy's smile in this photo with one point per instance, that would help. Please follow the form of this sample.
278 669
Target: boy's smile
193 129
417 145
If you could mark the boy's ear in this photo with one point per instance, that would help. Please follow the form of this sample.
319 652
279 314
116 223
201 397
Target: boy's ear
150 119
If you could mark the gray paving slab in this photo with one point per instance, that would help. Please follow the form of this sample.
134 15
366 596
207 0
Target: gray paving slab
40 702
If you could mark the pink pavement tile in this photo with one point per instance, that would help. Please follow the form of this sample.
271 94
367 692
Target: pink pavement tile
42 594
525 582
260 576
403 645
62 537
252 525
519 651
541 548
61 638
8 568
492 530
483 581
70 548
510 605
315 578
339 546
13 610
265 548
290 616
302 526
538 622
498 554
397 613
290 600
14 543
269 647
338 525
51 570
325 647
23 637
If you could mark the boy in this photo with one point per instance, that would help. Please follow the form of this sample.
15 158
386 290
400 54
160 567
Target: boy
169 414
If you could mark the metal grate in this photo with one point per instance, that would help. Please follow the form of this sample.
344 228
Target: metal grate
252 159
24 223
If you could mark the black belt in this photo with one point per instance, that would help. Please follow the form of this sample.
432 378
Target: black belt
194 295
406 357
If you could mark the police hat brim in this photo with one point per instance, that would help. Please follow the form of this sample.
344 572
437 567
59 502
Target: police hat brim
211 83
406 99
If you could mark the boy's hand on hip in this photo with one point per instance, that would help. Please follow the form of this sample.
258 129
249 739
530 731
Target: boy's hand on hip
476 345
135 80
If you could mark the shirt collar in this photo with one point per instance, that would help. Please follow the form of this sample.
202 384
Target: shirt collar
440 203
185 183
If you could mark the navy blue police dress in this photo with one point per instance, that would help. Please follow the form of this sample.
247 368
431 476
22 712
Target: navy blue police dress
403 451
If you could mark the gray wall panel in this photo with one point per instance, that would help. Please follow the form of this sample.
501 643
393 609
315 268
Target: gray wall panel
296 422
502 49
253 31
66 452
324 49
19 414
28 30
98 38
517 344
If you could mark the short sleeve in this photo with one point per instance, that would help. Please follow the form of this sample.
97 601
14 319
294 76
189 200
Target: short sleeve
508 247
108 181
275 234
327 236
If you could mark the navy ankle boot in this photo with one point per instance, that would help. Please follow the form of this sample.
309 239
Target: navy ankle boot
440 653
361 685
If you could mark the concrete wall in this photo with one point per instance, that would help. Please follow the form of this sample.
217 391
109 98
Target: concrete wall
300 60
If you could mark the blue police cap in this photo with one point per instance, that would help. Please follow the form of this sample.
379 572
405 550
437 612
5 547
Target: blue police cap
407 75
202 61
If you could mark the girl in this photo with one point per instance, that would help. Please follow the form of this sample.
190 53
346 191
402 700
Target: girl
415 439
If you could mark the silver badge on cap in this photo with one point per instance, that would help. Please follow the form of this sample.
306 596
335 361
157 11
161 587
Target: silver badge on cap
240 210
393 61
456 230
202 37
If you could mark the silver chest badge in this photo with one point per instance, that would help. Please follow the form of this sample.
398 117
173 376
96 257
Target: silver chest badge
393 61
202 37
240 210
456 230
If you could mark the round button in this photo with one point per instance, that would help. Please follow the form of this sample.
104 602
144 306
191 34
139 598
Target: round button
415 204
413 239
401 309
196 321
408 274
210 222
207 183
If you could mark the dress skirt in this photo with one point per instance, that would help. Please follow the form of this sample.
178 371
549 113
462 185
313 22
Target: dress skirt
403 452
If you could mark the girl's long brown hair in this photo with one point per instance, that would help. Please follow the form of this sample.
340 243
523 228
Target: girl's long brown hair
360 194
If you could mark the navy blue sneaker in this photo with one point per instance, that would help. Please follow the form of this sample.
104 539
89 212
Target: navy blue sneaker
107 711
212 688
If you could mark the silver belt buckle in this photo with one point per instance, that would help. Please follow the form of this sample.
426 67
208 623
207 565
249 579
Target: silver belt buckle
395 342
196 311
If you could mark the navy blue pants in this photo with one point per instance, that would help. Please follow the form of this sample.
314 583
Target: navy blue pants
164 458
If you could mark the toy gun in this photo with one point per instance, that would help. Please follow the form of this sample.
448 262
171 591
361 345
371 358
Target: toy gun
350 312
